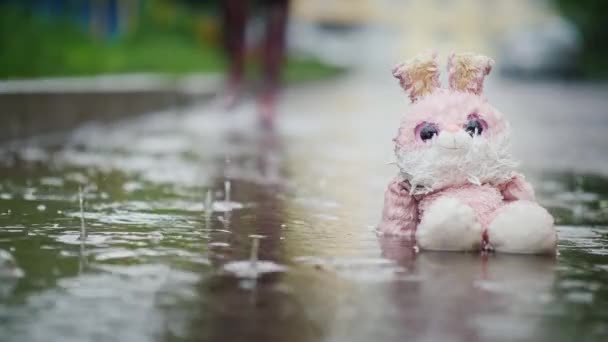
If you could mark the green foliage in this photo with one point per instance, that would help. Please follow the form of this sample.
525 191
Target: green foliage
306 69
32 46
589 17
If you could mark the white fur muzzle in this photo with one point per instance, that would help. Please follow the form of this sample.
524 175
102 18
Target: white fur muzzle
475 160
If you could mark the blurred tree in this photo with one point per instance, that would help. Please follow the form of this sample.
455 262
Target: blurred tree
205 4
590 17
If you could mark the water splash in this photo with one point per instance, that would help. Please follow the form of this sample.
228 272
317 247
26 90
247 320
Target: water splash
8 266
255 247
227 204
208 204
225 219
578 209
227 186
83 229
254 267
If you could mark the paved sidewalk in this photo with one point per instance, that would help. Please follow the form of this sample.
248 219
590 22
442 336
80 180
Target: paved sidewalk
43 106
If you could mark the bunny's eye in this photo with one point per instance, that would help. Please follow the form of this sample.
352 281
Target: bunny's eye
474 127
428 131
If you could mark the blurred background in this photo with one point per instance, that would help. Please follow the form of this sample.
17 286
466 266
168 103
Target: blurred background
41 38
271 41
115 226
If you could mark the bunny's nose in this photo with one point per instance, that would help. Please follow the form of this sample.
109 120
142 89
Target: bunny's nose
454 141
452 128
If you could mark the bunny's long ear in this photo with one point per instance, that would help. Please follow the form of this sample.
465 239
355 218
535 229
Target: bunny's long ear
467 71
418 76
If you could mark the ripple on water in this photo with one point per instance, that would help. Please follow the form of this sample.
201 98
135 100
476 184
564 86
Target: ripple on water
115 253
176 205
115 293
219 244
123 217
252 270
10 274
159 169
73 238
358 269
589 239
8 266
52 181
580 297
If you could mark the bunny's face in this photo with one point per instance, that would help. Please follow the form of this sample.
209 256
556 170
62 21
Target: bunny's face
450 137
452 116
453 138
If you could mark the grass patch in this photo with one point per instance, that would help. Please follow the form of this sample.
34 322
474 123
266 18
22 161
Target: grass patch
32 47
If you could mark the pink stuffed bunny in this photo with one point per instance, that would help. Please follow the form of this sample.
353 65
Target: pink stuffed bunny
457 189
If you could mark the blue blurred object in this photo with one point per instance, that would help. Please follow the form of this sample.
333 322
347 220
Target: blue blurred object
112 28
103 17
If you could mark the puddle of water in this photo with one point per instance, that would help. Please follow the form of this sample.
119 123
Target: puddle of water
156 265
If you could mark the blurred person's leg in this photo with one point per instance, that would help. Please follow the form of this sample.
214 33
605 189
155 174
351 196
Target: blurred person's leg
235 17
274 55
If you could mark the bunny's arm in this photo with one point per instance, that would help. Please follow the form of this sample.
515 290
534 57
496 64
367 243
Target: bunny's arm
517 189
400 213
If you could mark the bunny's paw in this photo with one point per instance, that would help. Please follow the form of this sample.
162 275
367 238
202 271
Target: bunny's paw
449 225
523 227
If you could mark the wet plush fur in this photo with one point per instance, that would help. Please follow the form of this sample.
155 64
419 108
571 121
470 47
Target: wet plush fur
457 191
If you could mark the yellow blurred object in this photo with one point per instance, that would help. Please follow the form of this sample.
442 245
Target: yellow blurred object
442 25
208 30
334 11
164 12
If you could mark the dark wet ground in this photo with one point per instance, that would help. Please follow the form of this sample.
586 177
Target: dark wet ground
166 253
